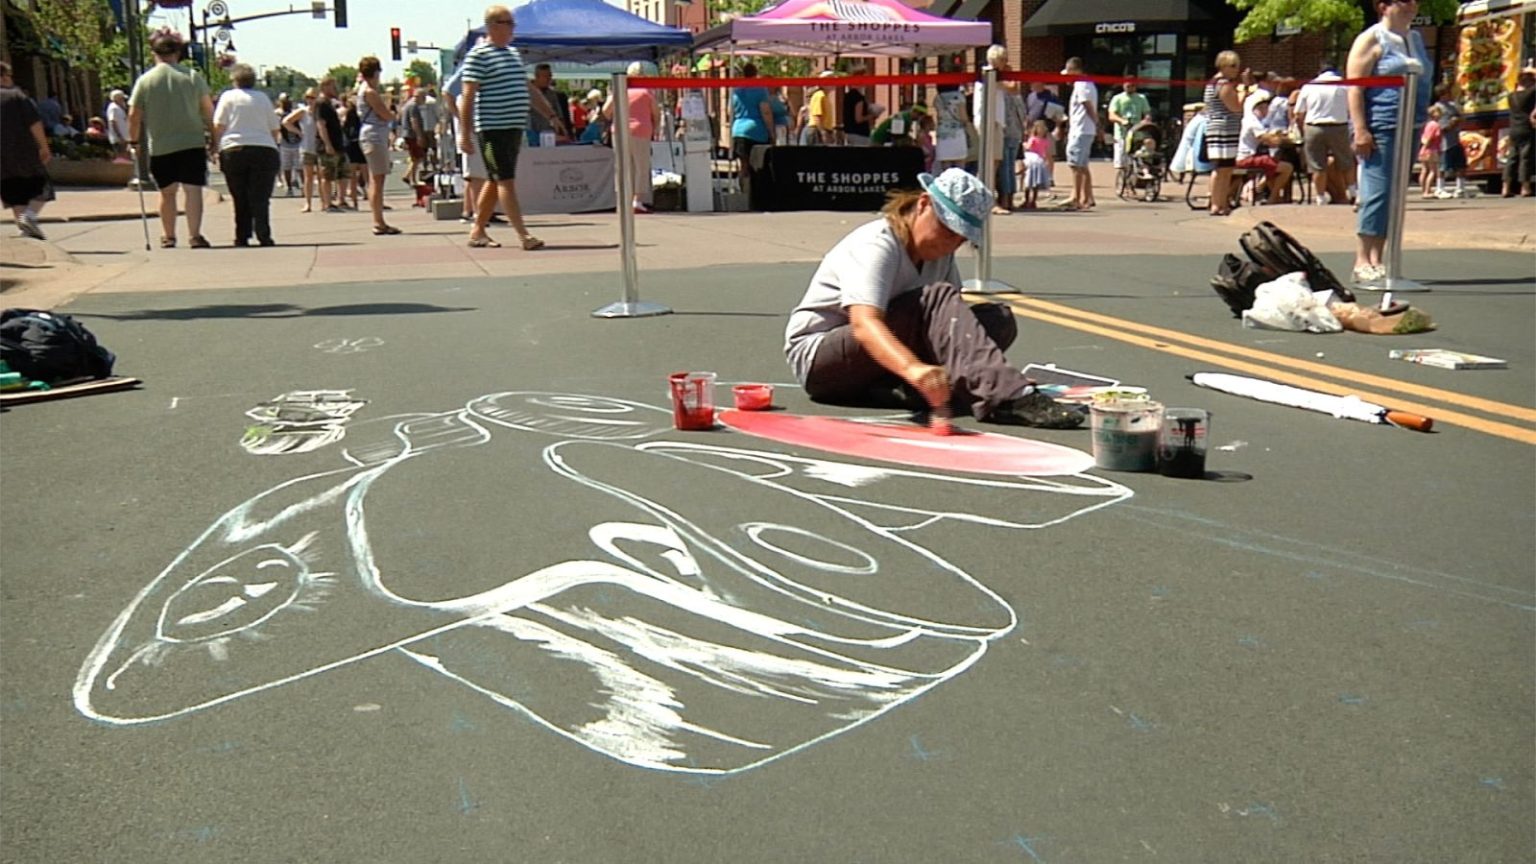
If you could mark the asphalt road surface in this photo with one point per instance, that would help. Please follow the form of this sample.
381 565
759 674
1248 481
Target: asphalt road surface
453 590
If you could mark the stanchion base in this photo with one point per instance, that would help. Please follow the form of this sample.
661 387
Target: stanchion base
638 309
1401 285
1397 285
987 286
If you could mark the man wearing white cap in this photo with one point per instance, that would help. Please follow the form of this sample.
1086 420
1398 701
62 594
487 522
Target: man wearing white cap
117 124
883 322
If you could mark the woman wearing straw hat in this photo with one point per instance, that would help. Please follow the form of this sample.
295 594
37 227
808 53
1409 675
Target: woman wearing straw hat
883 322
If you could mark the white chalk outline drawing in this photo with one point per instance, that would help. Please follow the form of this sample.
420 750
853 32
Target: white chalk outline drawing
299 421
343 345
680 628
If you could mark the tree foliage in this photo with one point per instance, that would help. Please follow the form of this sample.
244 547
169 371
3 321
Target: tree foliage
81 32
1350 16
425 72
346 76
282 79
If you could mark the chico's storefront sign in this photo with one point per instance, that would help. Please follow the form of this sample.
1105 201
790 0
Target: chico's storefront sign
1115 27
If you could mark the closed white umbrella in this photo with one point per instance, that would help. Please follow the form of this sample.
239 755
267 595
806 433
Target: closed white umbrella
1346 407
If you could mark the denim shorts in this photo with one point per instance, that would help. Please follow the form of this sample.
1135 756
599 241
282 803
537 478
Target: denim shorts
1078 149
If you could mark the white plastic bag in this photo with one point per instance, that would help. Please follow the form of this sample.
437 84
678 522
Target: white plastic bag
1289 303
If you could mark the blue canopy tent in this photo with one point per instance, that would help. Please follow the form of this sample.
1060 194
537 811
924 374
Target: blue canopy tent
582 31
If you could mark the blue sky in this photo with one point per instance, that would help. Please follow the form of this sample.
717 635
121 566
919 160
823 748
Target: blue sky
310 46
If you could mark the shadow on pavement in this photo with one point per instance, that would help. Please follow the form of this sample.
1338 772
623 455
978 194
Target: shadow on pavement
1513 280
272 310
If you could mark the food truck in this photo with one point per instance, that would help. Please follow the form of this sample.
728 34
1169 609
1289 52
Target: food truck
1495 38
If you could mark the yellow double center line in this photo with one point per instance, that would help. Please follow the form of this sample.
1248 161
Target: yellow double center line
1278 367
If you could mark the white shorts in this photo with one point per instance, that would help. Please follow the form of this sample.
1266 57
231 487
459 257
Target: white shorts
474 165
289 157
1078 149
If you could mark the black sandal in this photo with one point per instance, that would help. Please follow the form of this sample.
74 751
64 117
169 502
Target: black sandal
167 242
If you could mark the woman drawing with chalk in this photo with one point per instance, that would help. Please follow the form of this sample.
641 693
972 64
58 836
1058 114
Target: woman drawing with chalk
883 322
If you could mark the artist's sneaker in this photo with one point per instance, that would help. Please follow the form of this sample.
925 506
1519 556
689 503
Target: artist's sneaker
27 224
1035 409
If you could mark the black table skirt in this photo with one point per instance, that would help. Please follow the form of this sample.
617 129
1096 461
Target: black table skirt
832 178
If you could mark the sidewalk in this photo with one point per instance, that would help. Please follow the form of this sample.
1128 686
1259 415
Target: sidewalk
97 244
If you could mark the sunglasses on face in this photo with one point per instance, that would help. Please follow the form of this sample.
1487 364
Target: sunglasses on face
506 21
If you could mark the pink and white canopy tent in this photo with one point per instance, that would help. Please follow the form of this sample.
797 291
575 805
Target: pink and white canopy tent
849 28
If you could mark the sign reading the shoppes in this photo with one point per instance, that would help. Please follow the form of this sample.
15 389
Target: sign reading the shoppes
1115 27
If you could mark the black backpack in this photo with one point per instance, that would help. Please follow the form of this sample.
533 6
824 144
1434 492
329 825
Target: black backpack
1236 282
1277 253
51 347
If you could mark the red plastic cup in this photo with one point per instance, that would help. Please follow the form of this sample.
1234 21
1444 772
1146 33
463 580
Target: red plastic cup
753 397
693 400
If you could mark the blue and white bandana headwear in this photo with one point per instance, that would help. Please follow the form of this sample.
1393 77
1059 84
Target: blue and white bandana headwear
960 200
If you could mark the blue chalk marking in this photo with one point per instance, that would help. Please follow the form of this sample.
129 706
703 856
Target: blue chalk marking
1160 591
921 754
1337 559
467 805
1313 574
1492 782
460 724
1139 724
1424 624
1352 699
1028 845
226 746
1249 641
1260 808
1066 661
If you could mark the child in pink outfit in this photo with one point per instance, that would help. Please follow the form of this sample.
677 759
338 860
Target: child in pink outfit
1037 169
1429 153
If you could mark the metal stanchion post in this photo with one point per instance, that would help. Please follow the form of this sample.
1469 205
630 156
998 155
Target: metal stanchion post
1402 169
631 306
984 283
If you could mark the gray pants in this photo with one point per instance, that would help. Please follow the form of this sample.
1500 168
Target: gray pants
937 325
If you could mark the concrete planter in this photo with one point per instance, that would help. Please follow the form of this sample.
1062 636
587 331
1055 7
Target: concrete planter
90 172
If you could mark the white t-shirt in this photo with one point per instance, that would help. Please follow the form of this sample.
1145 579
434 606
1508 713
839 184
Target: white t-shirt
1084 94
866 268
1248 136
117 123
247 118
1324 104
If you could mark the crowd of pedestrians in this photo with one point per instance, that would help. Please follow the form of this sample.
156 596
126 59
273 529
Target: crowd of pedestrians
333 148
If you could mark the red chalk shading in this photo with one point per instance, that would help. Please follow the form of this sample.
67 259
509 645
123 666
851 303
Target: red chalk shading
914 446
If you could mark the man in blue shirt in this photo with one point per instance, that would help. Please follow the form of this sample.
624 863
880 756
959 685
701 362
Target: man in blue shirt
497 98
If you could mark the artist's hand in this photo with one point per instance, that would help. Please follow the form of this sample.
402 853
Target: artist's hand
931 381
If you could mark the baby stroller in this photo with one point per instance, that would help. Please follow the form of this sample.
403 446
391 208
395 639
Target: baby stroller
1141 175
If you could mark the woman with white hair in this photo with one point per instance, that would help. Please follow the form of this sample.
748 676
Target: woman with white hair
245 133
644 119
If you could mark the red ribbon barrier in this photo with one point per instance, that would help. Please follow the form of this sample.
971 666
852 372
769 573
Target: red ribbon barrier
954 78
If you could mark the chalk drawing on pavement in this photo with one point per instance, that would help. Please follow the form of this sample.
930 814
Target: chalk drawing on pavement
693 607
342 345
299 421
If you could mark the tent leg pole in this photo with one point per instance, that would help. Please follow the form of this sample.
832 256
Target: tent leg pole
630 306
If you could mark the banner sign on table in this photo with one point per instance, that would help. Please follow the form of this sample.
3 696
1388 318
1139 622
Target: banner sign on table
570 179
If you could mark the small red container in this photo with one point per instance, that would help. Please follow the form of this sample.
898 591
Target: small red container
753 397
693 400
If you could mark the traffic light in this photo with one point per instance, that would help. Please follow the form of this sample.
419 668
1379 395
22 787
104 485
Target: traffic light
341 12
394 42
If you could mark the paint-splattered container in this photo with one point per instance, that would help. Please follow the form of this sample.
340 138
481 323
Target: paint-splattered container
1125 434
